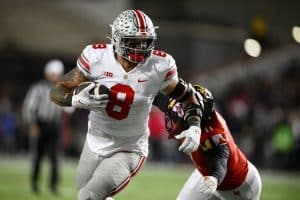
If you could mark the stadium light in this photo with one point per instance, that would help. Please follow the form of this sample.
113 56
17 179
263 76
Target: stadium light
252 47
296 33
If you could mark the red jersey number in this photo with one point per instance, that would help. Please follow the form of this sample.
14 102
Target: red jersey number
159 53
120 99
99 46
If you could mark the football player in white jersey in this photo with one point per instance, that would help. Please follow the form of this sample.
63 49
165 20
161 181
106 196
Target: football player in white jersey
117 136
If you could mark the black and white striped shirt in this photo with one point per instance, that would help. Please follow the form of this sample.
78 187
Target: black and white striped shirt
37 105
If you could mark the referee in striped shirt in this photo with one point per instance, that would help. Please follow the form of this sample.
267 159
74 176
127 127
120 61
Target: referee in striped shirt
44 122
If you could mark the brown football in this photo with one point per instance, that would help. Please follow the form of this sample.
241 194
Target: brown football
98 89
101 89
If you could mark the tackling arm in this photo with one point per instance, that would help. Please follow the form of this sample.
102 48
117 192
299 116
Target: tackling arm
161 101
193 107
62 91
217 160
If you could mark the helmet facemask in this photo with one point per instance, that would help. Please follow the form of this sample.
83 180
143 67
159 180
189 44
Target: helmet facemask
136 50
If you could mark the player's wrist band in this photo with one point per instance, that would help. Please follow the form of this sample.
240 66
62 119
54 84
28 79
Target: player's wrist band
193 114
194 121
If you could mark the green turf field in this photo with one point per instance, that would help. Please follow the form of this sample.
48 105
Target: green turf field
153 183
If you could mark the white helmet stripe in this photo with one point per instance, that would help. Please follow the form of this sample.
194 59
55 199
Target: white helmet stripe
140 19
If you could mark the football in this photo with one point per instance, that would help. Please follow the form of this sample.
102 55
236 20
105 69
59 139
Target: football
97 90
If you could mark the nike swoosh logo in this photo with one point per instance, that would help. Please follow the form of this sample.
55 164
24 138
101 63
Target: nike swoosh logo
141 80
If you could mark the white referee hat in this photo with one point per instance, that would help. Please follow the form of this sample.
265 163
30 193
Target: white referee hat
54 66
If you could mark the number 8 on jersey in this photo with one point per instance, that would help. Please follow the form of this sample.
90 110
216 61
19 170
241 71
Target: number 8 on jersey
120 99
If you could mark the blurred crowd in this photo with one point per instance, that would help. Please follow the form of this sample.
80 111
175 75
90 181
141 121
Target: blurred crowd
264 116
262 113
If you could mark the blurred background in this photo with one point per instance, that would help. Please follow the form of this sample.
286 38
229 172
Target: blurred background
247 53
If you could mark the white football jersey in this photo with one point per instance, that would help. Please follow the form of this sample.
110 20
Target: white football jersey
123 124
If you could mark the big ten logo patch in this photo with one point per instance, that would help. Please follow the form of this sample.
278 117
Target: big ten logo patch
108 74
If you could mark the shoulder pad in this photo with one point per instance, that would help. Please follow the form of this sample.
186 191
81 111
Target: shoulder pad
90 54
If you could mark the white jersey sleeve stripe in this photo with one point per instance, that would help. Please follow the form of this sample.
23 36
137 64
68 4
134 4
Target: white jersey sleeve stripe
82 68
171 73
84 62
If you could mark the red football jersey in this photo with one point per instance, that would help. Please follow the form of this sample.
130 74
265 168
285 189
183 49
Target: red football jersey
216 132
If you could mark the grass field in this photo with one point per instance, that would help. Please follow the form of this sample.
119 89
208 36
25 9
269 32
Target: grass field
153 183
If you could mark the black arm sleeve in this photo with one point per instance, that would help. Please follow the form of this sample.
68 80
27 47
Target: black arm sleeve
161 101
217 160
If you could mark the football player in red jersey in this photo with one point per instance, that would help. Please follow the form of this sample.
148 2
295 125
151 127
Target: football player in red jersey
222 170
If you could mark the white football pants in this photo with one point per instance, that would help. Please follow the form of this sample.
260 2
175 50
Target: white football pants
250 189
101 177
